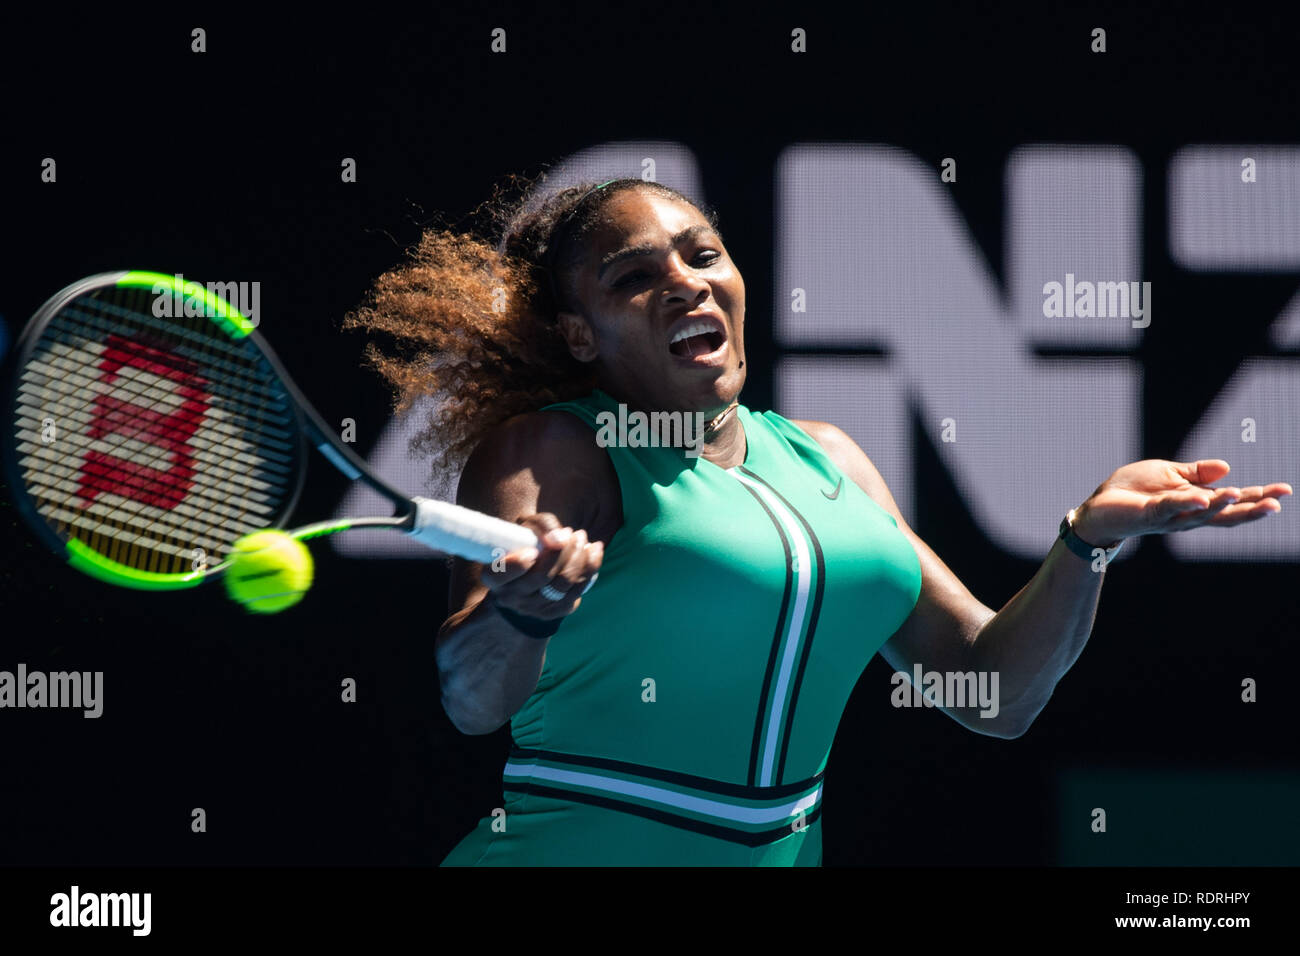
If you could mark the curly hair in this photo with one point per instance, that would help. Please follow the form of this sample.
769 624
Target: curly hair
471 323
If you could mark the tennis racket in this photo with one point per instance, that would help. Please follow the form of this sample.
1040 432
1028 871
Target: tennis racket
149 426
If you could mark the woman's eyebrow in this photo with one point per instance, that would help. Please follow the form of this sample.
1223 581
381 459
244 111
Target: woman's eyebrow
646 249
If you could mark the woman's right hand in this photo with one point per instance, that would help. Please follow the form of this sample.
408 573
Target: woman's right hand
528 581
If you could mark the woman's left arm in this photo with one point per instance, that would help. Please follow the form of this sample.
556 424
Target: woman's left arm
1038 635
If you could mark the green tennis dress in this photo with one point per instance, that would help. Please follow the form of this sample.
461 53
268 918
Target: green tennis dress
685 711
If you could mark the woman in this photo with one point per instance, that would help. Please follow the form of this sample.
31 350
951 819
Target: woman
679 707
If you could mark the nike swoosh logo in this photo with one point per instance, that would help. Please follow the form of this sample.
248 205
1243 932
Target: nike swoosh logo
836 493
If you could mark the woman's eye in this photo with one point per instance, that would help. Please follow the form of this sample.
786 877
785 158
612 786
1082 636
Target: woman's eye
705 257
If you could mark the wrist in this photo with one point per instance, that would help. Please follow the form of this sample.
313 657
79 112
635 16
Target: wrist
1088 532
1083 547
534 627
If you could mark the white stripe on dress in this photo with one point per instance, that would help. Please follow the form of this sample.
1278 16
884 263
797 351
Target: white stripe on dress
671 798
790 639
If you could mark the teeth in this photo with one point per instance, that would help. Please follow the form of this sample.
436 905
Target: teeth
695 328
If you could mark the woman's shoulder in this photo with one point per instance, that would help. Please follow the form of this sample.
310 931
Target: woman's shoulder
538 439
825 434
830 439
545 460
849 457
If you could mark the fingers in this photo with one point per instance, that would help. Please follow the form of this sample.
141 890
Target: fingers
1247 511
575 565
1203 471
1186 503
511 566
1257 492
550 583
1233 506
1226 506
1191 509
508 567
554 588
556 569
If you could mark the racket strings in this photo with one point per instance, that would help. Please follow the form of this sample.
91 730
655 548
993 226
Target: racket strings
146 486
276 443
234 383
168 435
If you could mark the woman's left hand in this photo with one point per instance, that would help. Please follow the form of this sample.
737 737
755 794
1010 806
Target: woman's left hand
1155 496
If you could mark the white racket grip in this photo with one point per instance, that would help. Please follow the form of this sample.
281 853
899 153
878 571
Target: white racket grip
467 534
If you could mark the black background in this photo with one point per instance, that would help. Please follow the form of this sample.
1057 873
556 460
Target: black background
226 165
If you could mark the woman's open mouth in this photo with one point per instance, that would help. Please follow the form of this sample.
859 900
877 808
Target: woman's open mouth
699 341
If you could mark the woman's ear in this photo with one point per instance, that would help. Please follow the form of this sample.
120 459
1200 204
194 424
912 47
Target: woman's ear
579 334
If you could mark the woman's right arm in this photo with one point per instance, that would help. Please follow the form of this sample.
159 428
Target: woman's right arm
544 471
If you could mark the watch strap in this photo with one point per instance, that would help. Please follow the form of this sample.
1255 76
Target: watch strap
1080 547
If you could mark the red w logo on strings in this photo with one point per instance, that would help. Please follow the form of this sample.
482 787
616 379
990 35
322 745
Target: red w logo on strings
171 432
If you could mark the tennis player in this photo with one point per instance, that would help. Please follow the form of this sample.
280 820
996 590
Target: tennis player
675 659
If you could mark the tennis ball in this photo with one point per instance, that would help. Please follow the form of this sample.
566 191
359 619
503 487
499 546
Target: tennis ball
269 571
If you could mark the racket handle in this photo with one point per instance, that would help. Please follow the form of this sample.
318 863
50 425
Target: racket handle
467 534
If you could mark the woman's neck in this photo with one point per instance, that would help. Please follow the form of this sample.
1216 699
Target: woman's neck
726 445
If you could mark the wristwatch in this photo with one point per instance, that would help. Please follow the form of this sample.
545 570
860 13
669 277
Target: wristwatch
1080 547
